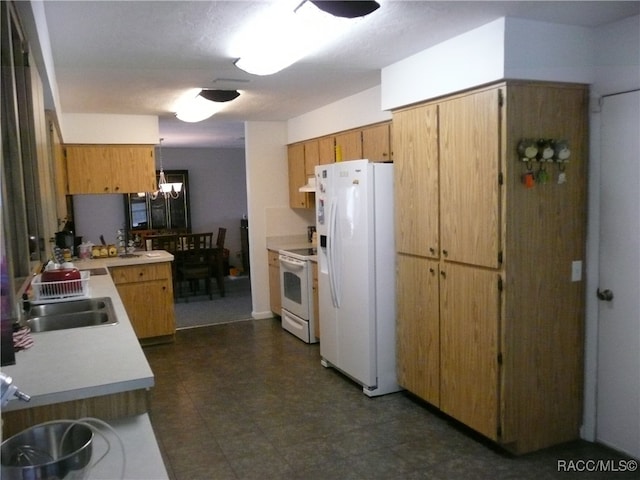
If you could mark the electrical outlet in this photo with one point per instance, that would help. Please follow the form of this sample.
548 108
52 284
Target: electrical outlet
576 271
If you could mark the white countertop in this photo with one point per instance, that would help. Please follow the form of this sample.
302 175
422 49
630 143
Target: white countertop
143 457
78 363
290 243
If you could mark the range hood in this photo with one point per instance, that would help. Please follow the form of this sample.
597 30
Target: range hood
310 186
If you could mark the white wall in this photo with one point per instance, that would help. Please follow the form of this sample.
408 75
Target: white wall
468 60
507 48
358 110
110 129
267 187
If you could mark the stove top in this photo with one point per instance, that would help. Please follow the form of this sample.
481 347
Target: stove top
300 253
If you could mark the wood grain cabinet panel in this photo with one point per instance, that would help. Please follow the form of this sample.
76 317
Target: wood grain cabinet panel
297 177
376 143
147 294
94 169
416 180
418 327
509 312
349 145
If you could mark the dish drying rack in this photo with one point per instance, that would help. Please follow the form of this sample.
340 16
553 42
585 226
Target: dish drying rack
61 291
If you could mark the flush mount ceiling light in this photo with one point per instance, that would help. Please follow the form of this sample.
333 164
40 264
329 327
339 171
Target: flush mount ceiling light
288 31
347 9
204 105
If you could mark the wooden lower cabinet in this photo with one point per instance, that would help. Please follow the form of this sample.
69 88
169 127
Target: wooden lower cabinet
418 327
147 294
469 322
275 299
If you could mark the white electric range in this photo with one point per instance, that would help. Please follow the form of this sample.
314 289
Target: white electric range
296 285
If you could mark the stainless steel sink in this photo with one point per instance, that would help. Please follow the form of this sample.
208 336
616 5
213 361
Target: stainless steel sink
89 312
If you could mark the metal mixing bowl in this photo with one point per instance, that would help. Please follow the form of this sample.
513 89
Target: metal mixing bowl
52 450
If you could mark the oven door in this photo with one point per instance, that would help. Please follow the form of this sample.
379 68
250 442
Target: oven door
294 285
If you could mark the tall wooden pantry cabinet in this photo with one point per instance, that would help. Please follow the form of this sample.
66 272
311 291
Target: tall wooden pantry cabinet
490 248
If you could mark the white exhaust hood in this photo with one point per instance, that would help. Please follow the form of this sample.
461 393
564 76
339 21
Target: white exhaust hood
310 186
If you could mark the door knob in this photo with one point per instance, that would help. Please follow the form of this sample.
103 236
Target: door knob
606 295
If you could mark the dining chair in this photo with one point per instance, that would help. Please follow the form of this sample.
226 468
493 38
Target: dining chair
194 260
218 260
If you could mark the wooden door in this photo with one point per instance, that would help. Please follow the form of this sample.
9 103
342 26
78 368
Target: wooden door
618 381
132 168
469 324
349 145
88 169
469 182
416 181
376 144
297 177
418 327
327 150
311 157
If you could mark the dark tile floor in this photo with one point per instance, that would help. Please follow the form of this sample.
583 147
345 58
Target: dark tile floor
247 400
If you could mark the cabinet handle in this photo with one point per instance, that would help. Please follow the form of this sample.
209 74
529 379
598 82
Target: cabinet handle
141 274
443 274
445 252
432 271
432 250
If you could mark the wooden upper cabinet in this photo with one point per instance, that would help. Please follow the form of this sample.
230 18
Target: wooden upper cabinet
349 144
110 168
376 143
416 189
327 150
470 146
297 176
311 157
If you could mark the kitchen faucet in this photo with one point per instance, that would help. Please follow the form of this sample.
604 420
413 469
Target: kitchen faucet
9 390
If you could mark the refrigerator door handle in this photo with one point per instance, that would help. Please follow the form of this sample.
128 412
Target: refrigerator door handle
331 253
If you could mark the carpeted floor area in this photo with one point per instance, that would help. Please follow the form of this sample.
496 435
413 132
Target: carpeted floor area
198 311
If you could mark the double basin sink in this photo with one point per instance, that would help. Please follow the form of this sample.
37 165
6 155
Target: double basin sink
89 312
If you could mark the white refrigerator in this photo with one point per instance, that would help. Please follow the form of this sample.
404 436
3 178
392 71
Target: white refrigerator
356 272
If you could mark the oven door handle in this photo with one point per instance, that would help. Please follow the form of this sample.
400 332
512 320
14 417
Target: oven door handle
292 264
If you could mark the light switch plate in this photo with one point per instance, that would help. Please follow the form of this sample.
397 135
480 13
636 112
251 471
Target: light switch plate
576 271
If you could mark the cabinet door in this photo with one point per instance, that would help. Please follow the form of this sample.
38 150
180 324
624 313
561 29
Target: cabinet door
469 324
132 168
148 305
350 145
311 157
147 294
418 327
469 168
110 168
297 177
416 181
327 150
88 169
375 143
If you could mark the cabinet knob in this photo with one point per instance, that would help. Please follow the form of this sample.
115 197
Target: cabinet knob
141 274
432 271
443 274
432 250
445 252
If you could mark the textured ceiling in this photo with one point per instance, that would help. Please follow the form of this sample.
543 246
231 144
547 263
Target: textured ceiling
139 57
